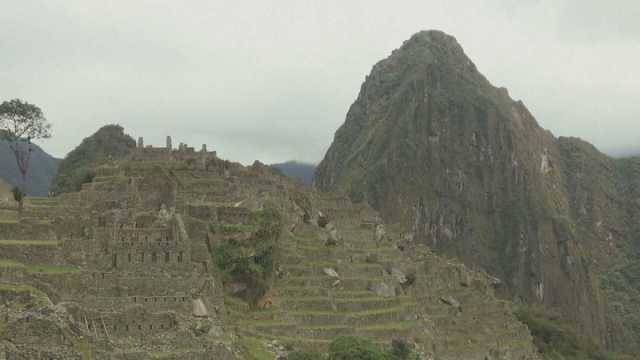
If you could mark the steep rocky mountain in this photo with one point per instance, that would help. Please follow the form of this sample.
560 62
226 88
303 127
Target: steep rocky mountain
297 170
436 148
42 169
110 141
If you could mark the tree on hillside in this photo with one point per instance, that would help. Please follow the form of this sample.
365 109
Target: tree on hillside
20 123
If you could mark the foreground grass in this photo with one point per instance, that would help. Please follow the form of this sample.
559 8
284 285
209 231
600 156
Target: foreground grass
7 263
51 269
255 349
38 268
28 243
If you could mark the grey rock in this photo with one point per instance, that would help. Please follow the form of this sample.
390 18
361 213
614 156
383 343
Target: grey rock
382 289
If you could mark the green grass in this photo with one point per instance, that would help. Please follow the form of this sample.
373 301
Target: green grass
404 325
557 339
39 295
6 263
350 313
16 287
51 269
28 243
40 268
284 339
255 349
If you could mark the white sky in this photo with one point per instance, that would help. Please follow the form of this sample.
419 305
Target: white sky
273 80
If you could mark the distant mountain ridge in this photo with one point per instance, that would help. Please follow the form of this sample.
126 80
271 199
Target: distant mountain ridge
298 170
42 169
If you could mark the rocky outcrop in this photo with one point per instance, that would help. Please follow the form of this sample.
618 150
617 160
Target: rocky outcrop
432 145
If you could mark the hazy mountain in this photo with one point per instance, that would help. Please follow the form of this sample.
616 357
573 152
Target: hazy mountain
42 169
432 145
298 170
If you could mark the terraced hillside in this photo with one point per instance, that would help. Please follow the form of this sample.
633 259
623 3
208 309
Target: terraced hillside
374 283
127 268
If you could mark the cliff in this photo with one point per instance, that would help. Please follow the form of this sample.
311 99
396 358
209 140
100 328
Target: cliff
436 148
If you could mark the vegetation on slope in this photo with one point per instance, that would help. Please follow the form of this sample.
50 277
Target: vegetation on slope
470 172
250 261
358 348
557 339
76 168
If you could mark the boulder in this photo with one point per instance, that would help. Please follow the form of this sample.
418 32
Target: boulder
199 309
398 276
382 289
381 232
450 300
331 272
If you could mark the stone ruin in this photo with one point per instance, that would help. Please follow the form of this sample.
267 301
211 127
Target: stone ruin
126 265
119 254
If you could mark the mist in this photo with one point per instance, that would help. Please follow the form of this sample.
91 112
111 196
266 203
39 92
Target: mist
273 80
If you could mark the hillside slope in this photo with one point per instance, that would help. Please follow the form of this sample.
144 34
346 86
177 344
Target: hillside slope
436 148
110 141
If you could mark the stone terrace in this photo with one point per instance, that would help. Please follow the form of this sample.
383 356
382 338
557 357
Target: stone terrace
129 256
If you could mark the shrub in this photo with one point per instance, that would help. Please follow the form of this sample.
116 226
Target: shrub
18 195
555 338
400 350
304 355
354 348
252 261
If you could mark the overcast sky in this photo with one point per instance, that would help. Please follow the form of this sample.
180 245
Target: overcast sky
273 80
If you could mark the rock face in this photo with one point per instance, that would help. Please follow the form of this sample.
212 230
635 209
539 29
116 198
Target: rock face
432 145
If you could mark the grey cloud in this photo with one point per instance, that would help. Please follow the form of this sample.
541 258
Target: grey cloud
273 80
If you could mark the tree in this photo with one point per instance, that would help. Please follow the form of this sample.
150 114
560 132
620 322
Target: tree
21 122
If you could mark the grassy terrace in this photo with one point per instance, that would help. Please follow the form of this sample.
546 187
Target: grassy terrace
309 310
38 268
40 201
28 243
51 269
4 263
39 295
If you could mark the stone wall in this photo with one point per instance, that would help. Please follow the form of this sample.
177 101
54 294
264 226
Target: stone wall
233 215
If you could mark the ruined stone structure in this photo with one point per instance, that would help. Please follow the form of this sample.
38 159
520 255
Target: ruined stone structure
118 255
124 269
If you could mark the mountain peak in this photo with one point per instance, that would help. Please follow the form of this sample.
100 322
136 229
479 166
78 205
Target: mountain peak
430 38
436 148
430 47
